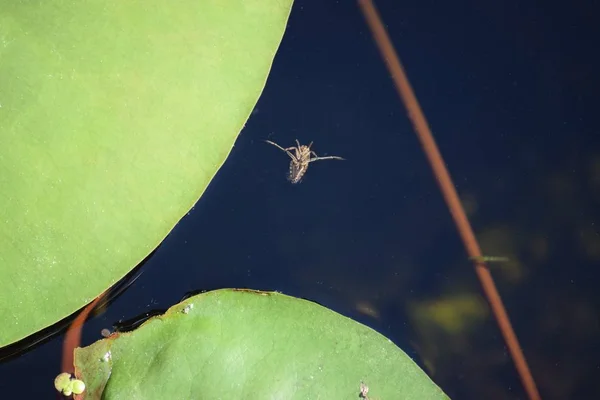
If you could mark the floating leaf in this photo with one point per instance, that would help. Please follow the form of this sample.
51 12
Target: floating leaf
114 117
234 344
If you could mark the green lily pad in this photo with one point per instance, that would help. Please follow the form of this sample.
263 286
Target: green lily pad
114 117
241 344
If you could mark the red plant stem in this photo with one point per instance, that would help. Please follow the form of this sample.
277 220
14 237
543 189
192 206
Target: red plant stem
73 337
447 187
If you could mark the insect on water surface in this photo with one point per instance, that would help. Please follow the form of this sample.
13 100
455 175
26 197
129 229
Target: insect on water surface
301 157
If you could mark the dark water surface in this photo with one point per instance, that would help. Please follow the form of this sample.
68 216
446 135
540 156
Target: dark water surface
509 89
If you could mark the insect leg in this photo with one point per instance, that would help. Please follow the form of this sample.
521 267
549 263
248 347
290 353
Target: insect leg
278 146
326 158
282 149
299 145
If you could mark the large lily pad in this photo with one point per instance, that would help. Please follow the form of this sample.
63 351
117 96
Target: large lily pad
114 117
232 344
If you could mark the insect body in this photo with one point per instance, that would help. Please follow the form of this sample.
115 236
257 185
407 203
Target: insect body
301 157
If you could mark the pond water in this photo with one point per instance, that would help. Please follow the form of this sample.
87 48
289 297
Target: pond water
508 92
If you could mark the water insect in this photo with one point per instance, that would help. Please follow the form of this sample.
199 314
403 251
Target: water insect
302 155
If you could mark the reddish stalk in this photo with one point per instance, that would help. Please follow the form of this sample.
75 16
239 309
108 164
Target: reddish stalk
447 187
73 337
